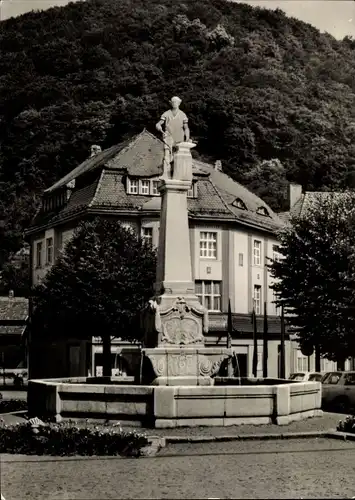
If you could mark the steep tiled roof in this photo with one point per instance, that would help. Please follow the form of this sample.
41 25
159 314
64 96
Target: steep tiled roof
142 156
111 192
79 199
232 190
309 200
284 216
13 309
88 165
296 210
208 201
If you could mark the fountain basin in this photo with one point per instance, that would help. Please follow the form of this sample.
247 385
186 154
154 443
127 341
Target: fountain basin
174 406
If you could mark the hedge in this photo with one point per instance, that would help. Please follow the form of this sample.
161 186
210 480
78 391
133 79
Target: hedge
12 405
66 439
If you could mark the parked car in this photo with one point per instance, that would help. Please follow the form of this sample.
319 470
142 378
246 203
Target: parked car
325 376
338 391
306 377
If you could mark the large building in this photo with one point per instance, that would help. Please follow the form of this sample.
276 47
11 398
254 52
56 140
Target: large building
233 236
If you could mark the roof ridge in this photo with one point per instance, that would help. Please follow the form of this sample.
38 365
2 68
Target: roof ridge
135 140
152 135
85 166
221 172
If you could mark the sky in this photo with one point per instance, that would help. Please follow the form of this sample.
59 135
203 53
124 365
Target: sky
337 17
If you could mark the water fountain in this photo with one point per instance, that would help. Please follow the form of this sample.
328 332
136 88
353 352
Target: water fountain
178 370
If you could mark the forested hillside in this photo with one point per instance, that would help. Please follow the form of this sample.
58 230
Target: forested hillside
255 84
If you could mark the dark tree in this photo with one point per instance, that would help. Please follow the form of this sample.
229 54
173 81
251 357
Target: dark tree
316 276
99 285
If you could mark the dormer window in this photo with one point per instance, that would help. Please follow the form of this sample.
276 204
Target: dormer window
238 203
262 211
132 186
155 191
144 187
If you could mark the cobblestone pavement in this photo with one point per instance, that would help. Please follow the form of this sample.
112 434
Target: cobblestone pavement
312 468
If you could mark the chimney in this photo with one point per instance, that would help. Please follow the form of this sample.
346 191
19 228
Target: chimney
95 149
11 294
218 165
295 193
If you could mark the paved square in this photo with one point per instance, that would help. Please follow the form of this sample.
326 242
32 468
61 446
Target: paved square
304 468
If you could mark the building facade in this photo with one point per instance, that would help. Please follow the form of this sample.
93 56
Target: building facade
233 235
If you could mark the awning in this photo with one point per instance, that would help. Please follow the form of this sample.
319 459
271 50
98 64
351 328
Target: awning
242 324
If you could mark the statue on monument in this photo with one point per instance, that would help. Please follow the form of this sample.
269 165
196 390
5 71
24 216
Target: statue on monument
176 130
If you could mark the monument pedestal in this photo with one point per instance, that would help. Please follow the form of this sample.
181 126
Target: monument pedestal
176 321
185 365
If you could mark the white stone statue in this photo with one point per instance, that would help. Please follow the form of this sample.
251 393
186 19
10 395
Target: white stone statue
176 129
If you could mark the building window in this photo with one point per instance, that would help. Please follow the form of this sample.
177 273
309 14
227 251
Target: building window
49 251
208 245
262 211
238 203
302 362
209 294
132 186
257 299
147 235
240 258
39 248
144 187
257 253
327 366
155 187
276 253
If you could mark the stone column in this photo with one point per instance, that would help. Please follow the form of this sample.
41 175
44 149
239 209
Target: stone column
174 258
175 333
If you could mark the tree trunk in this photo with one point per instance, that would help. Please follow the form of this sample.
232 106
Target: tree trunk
106 356
341 365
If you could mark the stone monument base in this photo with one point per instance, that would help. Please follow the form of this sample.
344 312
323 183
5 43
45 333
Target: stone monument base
185 365
183 381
